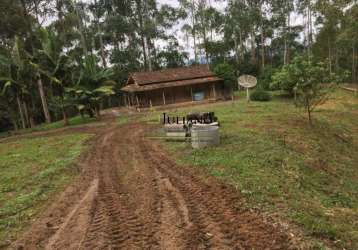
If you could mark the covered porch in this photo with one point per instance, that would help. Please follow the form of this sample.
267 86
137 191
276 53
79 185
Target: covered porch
144 98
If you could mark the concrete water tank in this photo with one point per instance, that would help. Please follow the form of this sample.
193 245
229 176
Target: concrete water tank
204 136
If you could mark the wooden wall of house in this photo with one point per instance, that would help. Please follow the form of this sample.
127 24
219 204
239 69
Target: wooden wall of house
179 94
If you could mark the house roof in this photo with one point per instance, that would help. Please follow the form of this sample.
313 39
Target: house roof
138 88
144 81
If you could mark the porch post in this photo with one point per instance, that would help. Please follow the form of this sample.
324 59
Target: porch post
136 97
214 91
125 100
163 97
129 100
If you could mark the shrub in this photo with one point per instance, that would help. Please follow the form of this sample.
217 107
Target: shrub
309 81
283 79
260 95
226 72
265 78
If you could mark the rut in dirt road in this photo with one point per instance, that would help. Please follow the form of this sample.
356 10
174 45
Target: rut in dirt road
130 195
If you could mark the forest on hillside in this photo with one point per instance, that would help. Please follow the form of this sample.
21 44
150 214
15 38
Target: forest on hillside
62 57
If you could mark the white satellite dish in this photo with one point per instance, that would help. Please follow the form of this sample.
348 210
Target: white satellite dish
247 81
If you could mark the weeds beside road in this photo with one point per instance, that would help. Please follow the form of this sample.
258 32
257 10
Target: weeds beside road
31 170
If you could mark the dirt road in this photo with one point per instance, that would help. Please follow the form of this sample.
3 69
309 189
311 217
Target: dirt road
130 195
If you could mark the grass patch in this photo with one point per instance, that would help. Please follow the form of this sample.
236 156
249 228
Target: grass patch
282 165
74 121
124 119
31 170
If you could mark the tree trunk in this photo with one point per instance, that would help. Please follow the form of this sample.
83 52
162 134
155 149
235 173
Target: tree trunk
64 115
206 50
142 35
262 47
237 57
204 33
147 38
14 123
26 112
195 48
354 65
262 40
103 54
241 45
81 31
148 54
193 23
32 122
154 53
337 57
23 123
308 107
65 118
309 28
98 112
31 113
309 116
253 49
286 46
43 100
330 57
144 51
99 31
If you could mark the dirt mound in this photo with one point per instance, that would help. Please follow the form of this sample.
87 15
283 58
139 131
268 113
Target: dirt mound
130 195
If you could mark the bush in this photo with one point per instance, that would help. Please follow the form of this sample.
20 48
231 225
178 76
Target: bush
265 78
226 72
260 95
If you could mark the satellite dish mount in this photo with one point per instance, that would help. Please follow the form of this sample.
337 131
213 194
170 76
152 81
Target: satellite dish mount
247 81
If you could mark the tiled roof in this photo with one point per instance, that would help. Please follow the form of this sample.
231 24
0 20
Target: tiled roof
138 88
143 81
168 75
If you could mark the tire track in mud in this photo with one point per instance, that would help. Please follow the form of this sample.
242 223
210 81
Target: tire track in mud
218 223
205 229
130 195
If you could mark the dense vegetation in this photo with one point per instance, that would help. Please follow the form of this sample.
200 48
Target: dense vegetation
61 57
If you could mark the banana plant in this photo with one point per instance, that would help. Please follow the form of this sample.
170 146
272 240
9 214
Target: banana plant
50 62
13 79
93 85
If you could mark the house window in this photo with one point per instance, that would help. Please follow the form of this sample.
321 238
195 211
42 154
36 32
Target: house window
199 96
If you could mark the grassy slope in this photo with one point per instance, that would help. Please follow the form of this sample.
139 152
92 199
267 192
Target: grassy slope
73 121
31 170
280 164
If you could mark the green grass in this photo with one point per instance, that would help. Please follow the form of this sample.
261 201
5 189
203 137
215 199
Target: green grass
31 170
124 119
73 121
307 175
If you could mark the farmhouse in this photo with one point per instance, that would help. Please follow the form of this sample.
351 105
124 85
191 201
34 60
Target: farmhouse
171 86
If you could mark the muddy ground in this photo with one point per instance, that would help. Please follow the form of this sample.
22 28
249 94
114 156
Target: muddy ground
131 195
